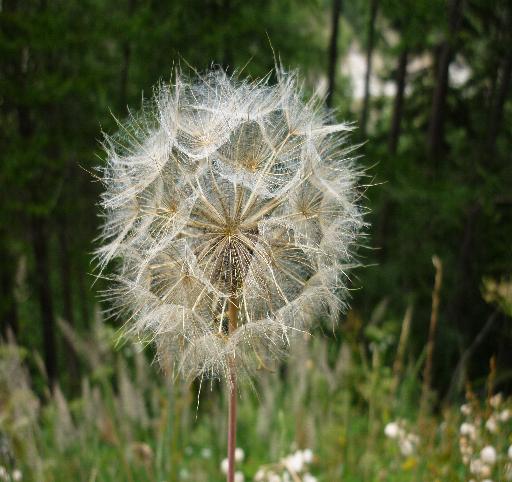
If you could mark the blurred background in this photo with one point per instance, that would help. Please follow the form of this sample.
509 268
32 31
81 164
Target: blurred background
428 84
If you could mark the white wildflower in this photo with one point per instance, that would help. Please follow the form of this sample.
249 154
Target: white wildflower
206 453
491 424
392 430
295 462
3 473
307 455
260 475
224 465
476 466
509 452
16 475
406 447
505 415
309 478
466 409
495 401
488 455
239 477
239 454
468 429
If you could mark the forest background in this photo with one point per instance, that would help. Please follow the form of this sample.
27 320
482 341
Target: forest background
426 82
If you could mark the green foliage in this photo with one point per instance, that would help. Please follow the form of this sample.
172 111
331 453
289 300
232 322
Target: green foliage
66 66
130 423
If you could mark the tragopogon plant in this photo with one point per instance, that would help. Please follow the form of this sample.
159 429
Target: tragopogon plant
231 209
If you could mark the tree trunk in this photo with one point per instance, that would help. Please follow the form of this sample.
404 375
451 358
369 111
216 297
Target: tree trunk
125 69
437 113
499 103
369 54
333 51
9 312
125 66
40 250
67 295
227 60
396 120
84 302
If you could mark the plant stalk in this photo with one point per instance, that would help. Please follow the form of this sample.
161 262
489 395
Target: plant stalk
233 323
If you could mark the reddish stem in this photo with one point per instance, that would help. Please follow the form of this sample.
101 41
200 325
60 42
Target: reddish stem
232 315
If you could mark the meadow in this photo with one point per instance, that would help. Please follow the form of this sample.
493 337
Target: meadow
346 407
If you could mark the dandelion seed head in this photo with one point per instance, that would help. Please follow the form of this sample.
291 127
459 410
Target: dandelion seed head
488 454
239 454
392 430
224 191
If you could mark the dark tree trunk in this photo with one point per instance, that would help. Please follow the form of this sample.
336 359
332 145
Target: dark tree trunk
457 309
369 54
125 70
65 273
437 113
67 295
125 66
333 51
9 312
83 294
227 60
500 99
396 121
42 275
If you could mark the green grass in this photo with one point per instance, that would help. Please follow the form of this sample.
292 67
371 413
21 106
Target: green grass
334 396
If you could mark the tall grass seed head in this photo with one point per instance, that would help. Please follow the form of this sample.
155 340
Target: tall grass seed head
224 191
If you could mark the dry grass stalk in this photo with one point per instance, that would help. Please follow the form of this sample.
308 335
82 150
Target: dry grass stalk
434 315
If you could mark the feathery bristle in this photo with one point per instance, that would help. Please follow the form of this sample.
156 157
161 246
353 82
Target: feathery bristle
227 189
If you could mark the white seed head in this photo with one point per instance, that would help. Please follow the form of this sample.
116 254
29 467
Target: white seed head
465 409
491 425
223 191
468 429
488 455
476 466
294 462
406 447
17 475
505 415
392 430
307 455
496 400
239 454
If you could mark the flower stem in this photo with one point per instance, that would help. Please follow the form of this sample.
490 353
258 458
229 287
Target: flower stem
232 315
